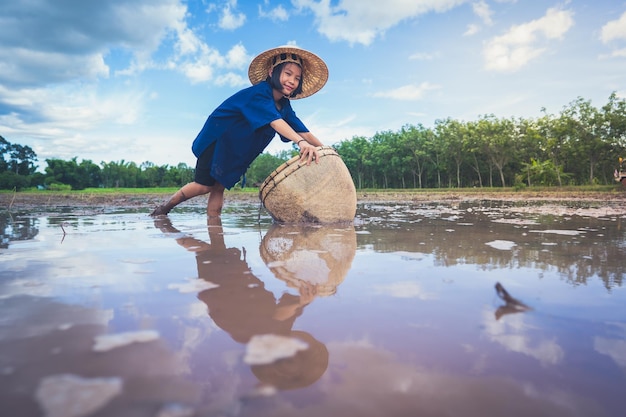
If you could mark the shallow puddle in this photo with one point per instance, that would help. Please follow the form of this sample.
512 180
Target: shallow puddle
118 314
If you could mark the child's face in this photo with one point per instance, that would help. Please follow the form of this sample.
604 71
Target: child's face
290 78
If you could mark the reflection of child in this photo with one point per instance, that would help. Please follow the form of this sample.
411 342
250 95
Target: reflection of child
243 125
241 306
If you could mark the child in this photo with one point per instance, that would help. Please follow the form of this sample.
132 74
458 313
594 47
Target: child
243 125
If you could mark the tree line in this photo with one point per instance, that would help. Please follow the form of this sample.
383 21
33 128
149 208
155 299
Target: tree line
578 146
18 171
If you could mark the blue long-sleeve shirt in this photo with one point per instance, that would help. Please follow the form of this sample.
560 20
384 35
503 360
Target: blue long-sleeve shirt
240 128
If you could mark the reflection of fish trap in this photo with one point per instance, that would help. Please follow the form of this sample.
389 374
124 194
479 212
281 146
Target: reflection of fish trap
322 192
309 256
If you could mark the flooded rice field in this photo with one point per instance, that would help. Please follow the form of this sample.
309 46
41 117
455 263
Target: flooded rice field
459 309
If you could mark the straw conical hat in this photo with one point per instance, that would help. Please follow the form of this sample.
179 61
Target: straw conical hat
298 371
314 70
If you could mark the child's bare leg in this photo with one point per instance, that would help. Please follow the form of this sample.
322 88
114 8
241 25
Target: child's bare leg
188 191
216 200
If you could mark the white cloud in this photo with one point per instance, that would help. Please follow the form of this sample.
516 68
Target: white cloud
361 21
406 289
56 120
614 348
230 19
614 30
76 106
472 29
517 336
525 42
424 56
237 57
408 92
482 10
203 64
621 53
187 43
21 66
276 14
54 60
198 71
232 80
43 43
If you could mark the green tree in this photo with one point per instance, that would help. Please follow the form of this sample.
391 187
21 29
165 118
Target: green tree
9 180
530 147
586 135
473 147
541 173
436 150
386 163
499 140
614 115
91 172
4 149
77 176
554 132
152 175
414 141
355 154
22 159
453 134
263 166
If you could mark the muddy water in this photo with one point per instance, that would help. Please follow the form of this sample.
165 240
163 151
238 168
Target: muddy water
117 314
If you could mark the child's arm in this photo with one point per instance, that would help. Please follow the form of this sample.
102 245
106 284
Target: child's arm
310 137
308 150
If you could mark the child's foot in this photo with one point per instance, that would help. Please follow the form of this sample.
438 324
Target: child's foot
159 211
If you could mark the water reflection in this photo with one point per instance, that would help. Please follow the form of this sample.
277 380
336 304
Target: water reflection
587 248
398 315
312 260
309 257
511 305
16 227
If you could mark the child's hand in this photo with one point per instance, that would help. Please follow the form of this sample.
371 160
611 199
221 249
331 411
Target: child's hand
308 152
307 292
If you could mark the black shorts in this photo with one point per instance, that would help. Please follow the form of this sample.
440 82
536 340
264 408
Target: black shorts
203 167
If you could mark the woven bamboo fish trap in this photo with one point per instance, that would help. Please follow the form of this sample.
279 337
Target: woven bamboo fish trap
321 192
309 256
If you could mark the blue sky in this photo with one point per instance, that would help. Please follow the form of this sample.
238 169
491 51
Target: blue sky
134 80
